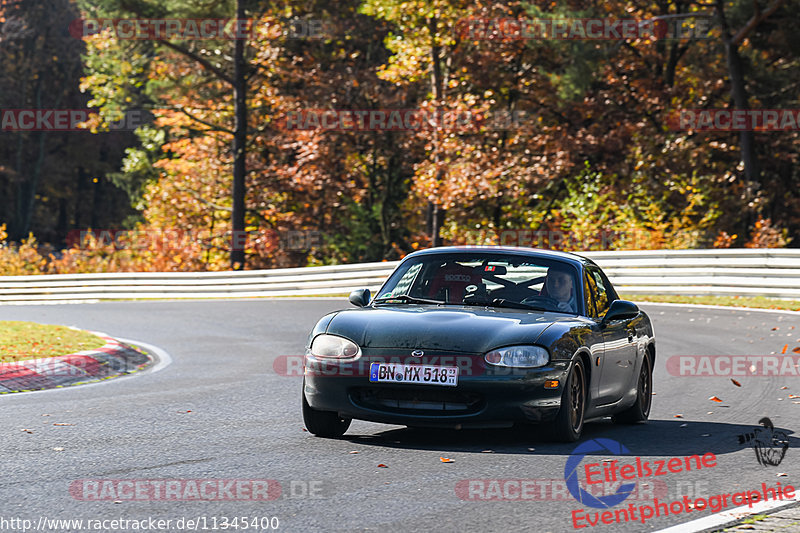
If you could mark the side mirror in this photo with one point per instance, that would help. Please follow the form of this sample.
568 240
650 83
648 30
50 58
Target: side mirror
620 310
360 297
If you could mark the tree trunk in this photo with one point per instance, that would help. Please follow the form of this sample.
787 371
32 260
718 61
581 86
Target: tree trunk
740 100
437 80
239 147
31 184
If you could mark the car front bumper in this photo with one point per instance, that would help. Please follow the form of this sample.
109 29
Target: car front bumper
484 396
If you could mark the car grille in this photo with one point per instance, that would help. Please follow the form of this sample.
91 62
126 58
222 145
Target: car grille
417 401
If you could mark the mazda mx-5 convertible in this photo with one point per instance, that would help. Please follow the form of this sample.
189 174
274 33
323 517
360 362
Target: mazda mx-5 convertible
478 337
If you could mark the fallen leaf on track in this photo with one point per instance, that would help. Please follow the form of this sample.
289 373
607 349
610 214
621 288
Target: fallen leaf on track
382 466
794 396
58 449
27 430
736 382
782 474
785 347
796 350
353 452
446 460
784 388
678 416
62 424
715 399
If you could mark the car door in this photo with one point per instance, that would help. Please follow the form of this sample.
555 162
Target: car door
618 361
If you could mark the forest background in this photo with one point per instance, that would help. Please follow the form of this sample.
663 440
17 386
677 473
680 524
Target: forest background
191 161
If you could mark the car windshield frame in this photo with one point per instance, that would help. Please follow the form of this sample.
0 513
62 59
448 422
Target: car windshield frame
481 259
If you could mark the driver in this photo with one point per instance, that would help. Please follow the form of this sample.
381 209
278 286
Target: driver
560 288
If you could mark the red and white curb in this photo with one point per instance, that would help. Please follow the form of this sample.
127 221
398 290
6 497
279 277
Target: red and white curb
113 359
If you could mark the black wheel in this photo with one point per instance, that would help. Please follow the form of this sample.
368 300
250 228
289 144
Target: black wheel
323 423
640 410
569 421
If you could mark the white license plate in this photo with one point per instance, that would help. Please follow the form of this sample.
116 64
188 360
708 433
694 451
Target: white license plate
413 374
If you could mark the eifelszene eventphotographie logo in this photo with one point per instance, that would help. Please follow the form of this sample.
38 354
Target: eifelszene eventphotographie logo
632 469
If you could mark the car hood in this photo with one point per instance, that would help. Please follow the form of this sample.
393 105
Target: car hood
456 329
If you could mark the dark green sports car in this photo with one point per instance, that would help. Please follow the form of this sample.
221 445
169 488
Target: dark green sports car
482 337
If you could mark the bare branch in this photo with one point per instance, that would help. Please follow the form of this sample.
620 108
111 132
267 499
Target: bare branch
758 18
213 127
199 59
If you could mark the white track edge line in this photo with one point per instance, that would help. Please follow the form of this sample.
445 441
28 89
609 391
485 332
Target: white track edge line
162 357
728 517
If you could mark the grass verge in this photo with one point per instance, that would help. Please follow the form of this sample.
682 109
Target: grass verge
27 340
758 302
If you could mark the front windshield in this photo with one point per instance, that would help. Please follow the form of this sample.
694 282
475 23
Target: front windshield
502 280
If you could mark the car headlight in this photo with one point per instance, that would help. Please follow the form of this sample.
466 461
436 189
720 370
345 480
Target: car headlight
518 356
332 346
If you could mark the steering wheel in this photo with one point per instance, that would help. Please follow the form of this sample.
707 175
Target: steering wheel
539 300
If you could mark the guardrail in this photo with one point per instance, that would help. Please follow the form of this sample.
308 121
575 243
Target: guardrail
764 272
773 272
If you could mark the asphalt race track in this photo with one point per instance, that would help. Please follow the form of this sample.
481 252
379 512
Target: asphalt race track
221 411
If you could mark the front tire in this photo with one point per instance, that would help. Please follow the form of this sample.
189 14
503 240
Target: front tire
569 421
639 411
323 423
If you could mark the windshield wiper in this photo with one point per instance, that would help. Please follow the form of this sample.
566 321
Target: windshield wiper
502 302
408 299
